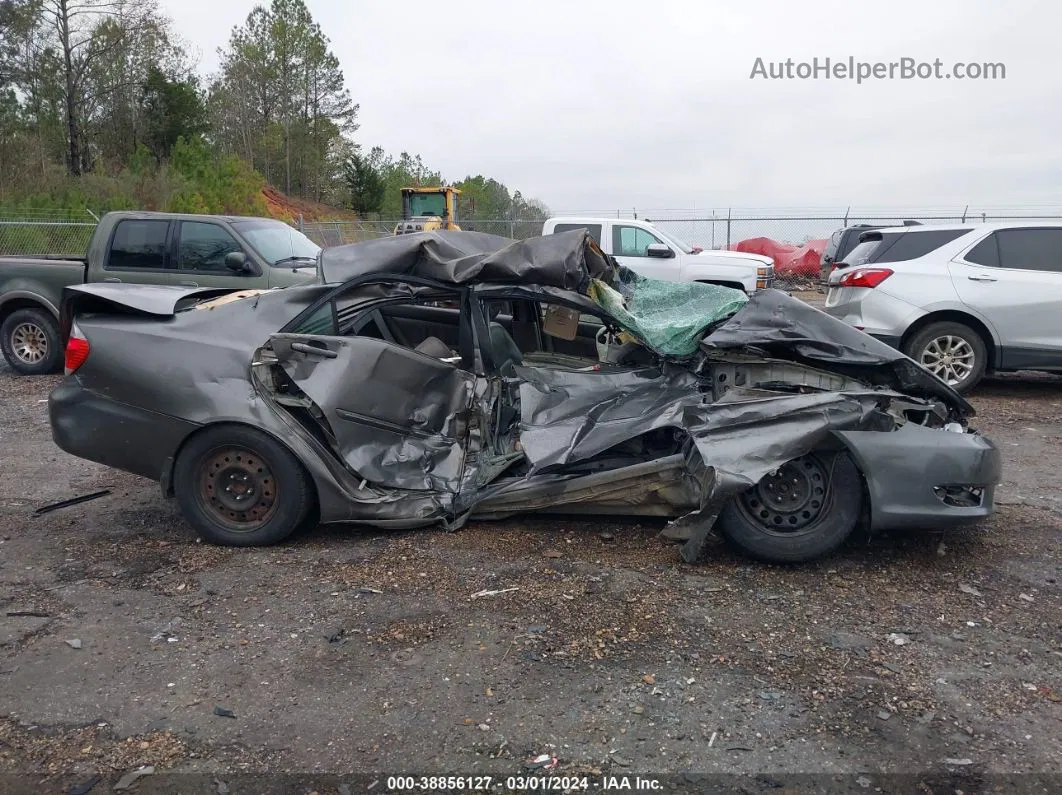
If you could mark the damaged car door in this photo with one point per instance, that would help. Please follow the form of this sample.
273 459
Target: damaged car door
395 408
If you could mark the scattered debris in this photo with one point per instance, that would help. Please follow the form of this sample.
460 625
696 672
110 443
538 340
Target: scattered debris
27 614
130 778
884 714
649 679
619 760
1026 598
542 762
220 787
365 589
75 643
770 695
224 712
969 589
553 553
537 629
899 638
863 781
738 748
166 633
958 762
481 594
55 506
607 537
484 727
711 742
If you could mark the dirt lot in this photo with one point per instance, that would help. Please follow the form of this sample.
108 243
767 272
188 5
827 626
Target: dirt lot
347 651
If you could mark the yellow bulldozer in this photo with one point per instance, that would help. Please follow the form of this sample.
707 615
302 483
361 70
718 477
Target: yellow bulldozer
427 210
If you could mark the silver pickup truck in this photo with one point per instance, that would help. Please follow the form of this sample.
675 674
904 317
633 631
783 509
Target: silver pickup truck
145 248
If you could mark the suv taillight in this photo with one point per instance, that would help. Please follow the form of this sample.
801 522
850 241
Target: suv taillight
77 350
865 277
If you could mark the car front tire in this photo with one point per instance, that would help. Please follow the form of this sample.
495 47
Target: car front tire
803 511
30 342
238 486
953 352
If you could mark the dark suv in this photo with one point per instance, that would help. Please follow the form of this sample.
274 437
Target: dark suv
842 242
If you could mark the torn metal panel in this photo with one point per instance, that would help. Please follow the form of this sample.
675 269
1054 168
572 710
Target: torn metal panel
655 488
571 416
567 260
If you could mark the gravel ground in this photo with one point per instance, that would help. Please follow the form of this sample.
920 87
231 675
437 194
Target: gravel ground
925 653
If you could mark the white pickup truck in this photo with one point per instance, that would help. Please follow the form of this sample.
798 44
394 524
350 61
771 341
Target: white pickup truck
654 254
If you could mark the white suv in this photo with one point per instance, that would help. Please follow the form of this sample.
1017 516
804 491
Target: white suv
962 299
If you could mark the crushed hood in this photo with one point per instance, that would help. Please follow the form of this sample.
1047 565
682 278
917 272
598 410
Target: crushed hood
783 327
568 260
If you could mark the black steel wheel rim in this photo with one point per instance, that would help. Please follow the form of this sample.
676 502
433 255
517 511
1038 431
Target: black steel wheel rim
237 488
791 501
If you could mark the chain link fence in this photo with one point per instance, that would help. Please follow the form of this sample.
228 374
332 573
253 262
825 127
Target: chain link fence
67 233
54 233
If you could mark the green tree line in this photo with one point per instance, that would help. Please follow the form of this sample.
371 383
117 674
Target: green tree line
101 106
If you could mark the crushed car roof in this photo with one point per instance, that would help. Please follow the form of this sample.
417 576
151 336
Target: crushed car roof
567 260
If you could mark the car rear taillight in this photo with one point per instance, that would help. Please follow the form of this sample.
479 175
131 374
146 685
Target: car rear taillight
77 350
865 277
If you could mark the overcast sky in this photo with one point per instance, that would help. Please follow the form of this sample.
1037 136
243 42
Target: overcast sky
606 105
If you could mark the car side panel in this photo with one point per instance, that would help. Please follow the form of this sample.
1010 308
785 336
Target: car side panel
1024 306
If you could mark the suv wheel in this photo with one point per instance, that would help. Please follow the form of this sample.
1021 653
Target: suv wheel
953 352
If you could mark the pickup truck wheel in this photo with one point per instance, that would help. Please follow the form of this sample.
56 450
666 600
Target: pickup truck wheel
803 511
29 339
240 487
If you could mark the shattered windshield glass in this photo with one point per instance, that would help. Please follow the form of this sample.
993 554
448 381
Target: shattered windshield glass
668 317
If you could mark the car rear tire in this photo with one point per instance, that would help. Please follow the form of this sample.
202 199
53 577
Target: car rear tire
953 352
802 512
30 342
240 487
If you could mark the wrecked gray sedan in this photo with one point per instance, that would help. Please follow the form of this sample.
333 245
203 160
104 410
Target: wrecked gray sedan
436 378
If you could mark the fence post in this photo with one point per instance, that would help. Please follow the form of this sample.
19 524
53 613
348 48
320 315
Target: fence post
964 211
302 225
846 212
729 210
